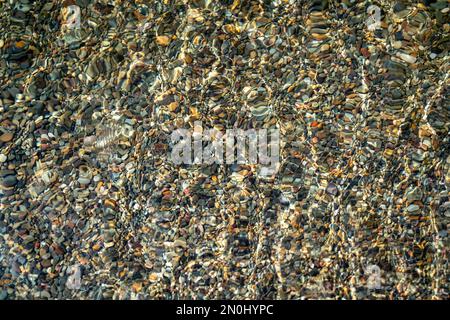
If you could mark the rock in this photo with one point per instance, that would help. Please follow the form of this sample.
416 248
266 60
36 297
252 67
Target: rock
93 207
332 189
84 181
8 181
325 47
6 137
163 40
412 208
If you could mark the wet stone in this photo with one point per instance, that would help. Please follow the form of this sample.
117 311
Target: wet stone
94 207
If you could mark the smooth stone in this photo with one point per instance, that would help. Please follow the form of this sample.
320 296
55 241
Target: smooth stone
332 189
325 47
412 208
45 295
84 181
2 157
6 137
406 57
414 194
9 181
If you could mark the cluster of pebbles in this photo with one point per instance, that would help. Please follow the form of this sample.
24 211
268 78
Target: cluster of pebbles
91 207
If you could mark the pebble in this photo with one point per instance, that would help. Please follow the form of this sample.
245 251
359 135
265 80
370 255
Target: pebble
332 189
412 208
6 137
84 181
92 207
8 181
